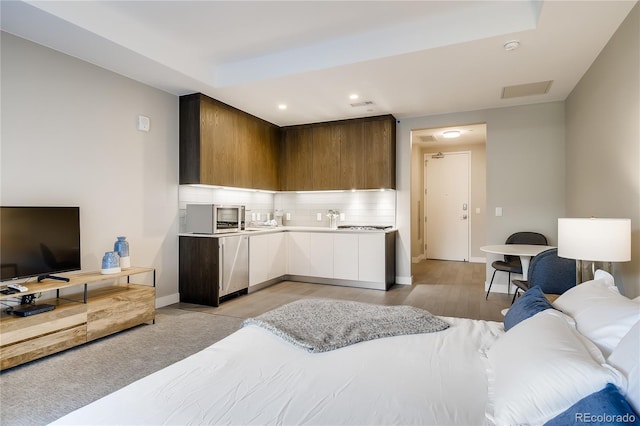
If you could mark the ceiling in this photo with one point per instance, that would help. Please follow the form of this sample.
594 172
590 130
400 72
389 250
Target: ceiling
406 58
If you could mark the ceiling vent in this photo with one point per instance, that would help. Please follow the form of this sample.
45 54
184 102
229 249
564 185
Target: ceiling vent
529 89
427 138
362 104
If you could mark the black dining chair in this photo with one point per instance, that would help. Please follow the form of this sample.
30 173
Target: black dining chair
511 264
552 273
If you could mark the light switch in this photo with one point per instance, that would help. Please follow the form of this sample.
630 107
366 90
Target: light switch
319 217
342 217
477 210
258 216
498 211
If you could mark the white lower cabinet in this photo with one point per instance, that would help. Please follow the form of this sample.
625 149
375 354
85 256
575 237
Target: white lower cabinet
371 257
321 255
354 259
298 253
267 257
345 256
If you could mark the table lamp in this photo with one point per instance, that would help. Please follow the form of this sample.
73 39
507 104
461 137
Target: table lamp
594 240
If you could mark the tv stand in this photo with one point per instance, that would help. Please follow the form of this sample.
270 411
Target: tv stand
92 306
53 277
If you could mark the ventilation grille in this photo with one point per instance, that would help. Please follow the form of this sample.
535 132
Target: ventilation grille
428 138
529 89
362 104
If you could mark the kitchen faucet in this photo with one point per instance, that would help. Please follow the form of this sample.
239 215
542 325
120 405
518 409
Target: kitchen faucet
333 218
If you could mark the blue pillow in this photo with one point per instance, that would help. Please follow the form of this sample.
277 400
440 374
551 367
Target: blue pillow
607 406
529 304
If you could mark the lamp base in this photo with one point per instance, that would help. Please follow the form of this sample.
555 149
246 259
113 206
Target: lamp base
585 269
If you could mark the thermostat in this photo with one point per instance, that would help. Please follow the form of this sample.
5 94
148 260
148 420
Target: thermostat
143 123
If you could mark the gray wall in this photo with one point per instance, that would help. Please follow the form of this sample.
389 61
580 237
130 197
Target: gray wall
69 138
525 173
603 142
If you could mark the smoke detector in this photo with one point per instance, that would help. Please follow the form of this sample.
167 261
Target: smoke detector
511 45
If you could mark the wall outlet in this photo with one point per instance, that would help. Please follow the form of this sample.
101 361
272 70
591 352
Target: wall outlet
342 217
258 216
498 211
319 217
288 216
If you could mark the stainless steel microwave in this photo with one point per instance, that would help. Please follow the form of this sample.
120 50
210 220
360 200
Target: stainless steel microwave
214 218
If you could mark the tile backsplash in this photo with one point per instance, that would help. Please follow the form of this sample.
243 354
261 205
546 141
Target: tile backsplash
359 207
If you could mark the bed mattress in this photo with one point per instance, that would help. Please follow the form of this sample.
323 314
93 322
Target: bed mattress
253 377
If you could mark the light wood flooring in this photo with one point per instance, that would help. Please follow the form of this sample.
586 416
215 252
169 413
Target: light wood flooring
453 289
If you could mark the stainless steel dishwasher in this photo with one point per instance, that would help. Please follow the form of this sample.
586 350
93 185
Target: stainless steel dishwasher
234 264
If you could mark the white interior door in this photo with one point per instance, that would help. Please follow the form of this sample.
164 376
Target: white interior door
447 206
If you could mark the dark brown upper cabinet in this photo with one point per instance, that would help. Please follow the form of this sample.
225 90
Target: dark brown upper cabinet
347 154
221 145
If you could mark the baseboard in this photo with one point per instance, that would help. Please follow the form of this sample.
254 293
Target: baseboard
404 280
478 260
167 300
419 259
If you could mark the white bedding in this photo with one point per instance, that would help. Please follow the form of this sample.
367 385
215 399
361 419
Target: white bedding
254 378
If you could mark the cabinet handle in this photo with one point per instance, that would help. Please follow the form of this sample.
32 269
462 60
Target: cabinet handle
221 267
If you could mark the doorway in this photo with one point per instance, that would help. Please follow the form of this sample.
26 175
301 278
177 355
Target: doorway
451 153
446 205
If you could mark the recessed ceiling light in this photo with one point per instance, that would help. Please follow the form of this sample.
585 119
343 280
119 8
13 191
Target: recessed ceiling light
282 106
451 134
353 97
511 45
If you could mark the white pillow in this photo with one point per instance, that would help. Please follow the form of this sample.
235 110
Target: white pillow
605 276
626 358
540 368
600 311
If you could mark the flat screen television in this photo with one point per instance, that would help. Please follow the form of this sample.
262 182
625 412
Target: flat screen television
38 241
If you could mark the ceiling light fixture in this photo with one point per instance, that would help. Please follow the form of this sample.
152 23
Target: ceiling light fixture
282 106
511 45
353 97
451 134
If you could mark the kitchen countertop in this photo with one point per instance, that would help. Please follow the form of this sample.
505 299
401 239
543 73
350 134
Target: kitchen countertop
269 230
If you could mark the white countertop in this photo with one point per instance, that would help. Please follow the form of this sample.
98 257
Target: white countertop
268 230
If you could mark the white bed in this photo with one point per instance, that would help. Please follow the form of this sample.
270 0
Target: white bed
472 373
254 377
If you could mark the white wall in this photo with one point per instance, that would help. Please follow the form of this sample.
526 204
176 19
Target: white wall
69 138
525 173
603 142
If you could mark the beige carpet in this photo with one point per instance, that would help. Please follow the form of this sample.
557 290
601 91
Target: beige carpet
44 390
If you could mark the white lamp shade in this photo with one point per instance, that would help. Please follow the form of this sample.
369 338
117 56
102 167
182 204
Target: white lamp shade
595 239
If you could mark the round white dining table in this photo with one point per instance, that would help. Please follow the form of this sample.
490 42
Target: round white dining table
524 251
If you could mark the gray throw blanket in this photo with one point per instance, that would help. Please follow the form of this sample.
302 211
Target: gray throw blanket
320 325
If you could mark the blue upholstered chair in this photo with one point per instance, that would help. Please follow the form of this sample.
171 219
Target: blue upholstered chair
511 264
553 274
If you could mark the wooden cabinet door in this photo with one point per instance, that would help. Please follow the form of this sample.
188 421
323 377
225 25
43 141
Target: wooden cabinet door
246 138
352 155
379 153
326 157
198 270
217 143
264 159
297 160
